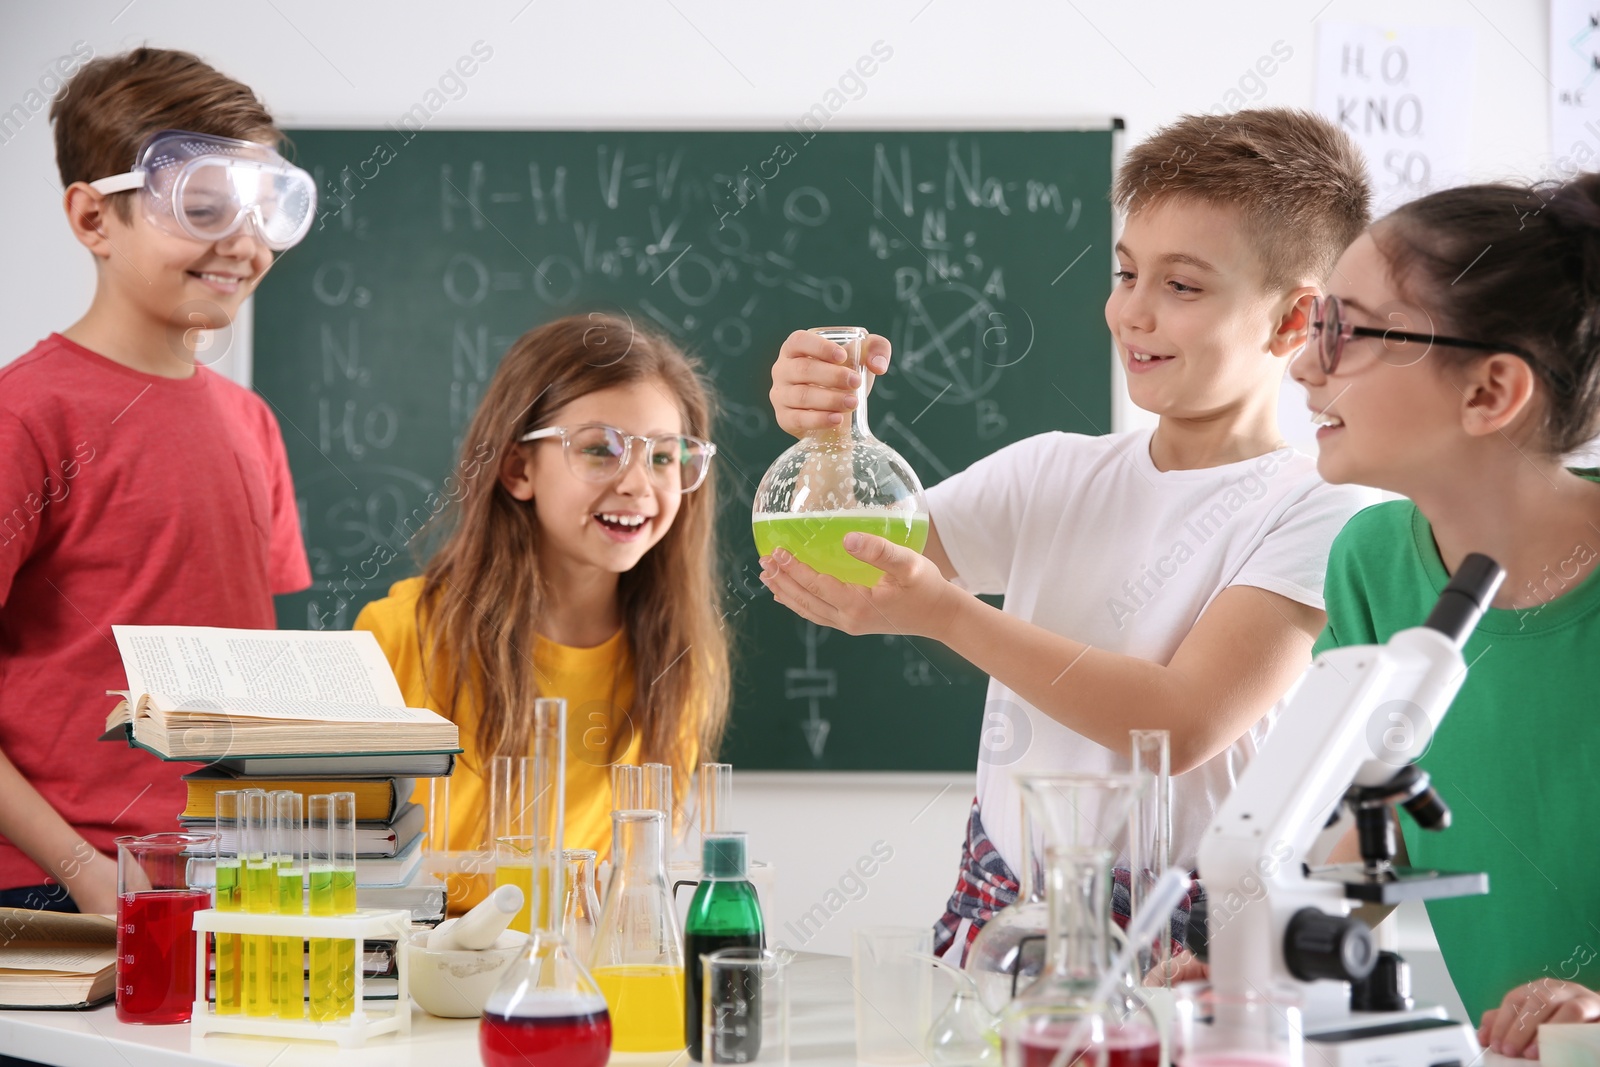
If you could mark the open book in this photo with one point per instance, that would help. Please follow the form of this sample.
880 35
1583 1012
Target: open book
55 960
204 693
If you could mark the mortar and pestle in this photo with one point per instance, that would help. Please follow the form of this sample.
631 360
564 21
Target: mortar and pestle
457 964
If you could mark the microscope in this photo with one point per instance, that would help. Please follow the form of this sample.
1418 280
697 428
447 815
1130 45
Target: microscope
1342 751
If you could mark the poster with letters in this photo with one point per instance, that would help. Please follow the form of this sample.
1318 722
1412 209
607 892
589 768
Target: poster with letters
1404 93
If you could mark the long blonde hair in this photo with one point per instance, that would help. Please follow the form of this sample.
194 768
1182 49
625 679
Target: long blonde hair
483 591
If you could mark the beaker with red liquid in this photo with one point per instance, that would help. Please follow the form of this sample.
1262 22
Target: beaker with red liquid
158 894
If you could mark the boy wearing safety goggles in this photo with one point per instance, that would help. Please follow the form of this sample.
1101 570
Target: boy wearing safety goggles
137 486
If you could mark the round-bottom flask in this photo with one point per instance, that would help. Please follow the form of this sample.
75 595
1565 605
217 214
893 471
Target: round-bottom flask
546 1012
836 481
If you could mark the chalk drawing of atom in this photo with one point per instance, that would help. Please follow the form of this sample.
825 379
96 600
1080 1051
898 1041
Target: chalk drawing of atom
950 343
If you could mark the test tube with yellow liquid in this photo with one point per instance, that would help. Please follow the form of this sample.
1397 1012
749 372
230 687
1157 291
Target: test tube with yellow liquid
289 865
230 897
332 837
260 898
516 862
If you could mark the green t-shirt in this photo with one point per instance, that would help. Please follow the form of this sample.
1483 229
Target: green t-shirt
1517 758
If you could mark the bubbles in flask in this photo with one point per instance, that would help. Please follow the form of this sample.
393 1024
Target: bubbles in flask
838 480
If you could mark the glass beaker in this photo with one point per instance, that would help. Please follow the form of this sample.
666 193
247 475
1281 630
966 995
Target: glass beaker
546 1012
158 891
745 1011
638 957
1247 1029
580 909
893 993
1077 1007
838 480
1009 952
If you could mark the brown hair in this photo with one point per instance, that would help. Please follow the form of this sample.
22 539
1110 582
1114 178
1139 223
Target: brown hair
1514 265
1298 180
113 104
482 591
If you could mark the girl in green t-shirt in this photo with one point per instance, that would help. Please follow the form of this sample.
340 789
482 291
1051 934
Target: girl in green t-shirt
1456 361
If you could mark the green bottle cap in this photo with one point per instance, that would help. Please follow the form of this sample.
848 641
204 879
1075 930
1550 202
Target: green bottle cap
723 855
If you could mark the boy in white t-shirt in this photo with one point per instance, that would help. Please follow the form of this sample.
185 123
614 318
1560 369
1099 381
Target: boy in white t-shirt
1167 579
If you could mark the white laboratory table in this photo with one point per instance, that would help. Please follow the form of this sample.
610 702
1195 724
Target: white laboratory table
822 1034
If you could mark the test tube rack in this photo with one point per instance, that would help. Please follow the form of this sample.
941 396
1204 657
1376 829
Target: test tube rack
351 1032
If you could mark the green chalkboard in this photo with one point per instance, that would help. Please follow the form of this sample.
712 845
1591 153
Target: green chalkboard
982 254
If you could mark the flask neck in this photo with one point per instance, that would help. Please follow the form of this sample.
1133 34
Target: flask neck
639 846
1079 892
854 424
580 873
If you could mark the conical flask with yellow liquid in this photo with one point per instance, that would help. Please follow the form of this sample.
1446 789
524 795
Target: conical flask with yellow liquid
638 953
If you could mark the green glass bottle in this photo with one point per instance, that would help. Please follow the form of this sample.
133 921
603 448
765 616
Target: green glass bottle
724 913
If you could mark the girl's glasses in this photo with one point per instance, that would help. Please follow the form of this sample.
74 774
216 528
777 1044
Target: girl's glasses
677 463
1401 348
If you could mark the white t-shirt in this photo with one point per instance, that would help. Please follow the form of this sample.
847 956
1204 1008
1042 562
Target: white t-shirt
1086 538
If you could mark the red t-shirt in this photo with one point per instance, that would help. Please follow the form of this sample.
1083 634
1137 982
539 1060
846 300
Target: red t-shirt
124 498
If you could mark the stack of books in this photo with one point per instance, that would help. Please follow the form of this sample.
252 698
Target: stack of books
389 827
307 711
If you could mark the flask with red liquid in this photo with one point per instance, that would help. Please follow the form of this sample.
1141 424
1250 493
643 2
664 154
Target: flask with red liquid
546 1012
157 896
1065 1018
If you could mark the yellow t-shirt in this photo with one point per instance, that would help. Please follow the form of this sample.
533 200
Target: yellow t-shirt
597 684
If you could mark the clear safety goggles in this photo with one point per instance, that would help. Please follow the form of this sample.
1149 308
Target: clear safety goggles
676 462
204 187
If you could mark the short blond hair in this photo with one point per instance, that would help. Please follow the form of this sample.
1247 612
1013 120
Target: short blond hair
1299 181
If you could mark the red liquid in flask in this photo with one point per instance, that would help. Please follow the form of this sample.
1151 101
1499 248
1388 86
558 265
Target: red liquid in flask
1134 1046
155 954
578 1037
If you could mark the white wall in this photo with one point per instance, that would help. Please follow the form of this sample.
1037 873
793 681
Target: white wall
653 62
701 62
